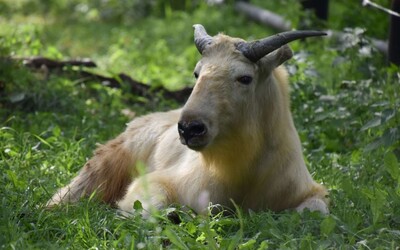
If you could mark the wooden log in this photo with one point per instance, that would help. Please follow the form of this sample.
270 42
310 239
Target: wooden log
263 16
39 61
136 87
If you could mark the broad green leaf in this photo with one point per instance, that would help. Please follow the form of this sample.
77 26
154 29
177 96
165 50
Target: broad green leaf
374 145
372 123
389 137
306 242
355 156
387 114
264 245
377 203
398 187
380 104
175 239
137 206
201 237
191 228
248 245
10 152
328 225
17 97
392 165
14 179
56 131
235 240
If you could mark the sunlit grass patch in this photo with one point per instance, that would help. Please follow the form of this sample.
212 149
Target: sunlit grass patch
345 106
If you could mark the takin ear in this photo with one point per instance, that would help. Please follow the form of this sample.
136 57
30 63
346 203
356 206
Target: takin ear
276 58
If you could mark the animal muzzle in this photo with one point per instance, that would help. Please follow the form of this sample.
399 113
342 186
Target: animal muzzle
193 134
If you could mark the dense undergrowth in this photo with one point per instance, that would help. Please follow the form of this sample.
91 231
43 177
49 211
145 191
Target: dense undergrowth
345 101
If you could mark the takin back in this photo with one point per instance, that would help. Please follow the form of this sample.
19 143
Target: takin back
234 140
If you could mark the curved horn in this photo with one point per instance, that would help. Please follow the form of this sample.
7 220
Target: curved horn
201 38
254 51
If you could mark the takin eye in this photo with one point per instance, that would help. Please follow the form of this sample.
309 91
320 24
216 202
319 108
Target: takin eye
246 80
196 75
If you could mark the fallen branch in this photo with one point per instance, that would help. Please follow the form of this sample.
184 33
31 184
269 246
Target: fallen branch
138 88
38 61
47 65
379 7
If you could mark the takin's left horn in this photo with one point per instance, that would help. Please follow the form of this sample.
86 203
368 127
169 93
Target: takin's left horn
254 51
201 38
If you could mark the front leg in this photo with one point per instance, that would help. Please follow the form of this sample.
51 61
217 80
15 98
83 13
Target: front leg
316 200
153 190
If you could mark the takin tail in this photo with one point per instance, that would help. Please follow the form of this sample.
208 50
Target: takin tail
108 174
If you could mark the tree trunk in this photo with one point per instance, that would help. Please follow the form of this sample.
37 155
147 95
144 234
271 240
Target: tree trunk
394 35
319 6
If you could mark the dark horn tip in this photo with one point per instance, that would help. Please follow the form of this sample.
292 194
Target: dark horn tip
305 33
315 32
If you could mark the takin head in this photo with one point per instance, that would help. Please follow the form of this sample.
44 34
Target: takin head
234 88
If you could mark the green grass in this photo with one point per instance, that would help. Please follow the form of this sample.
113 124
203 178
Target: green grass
345 105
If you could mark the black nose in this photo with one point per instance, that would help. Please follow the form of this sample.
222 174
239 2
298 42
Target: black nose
191 129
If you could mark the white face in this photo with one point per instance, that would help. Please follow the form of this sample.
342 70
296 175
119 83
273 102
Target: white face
221 99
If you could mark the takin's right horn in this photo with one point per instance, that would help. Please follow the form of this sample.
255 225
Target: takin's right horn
201 38
254 51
